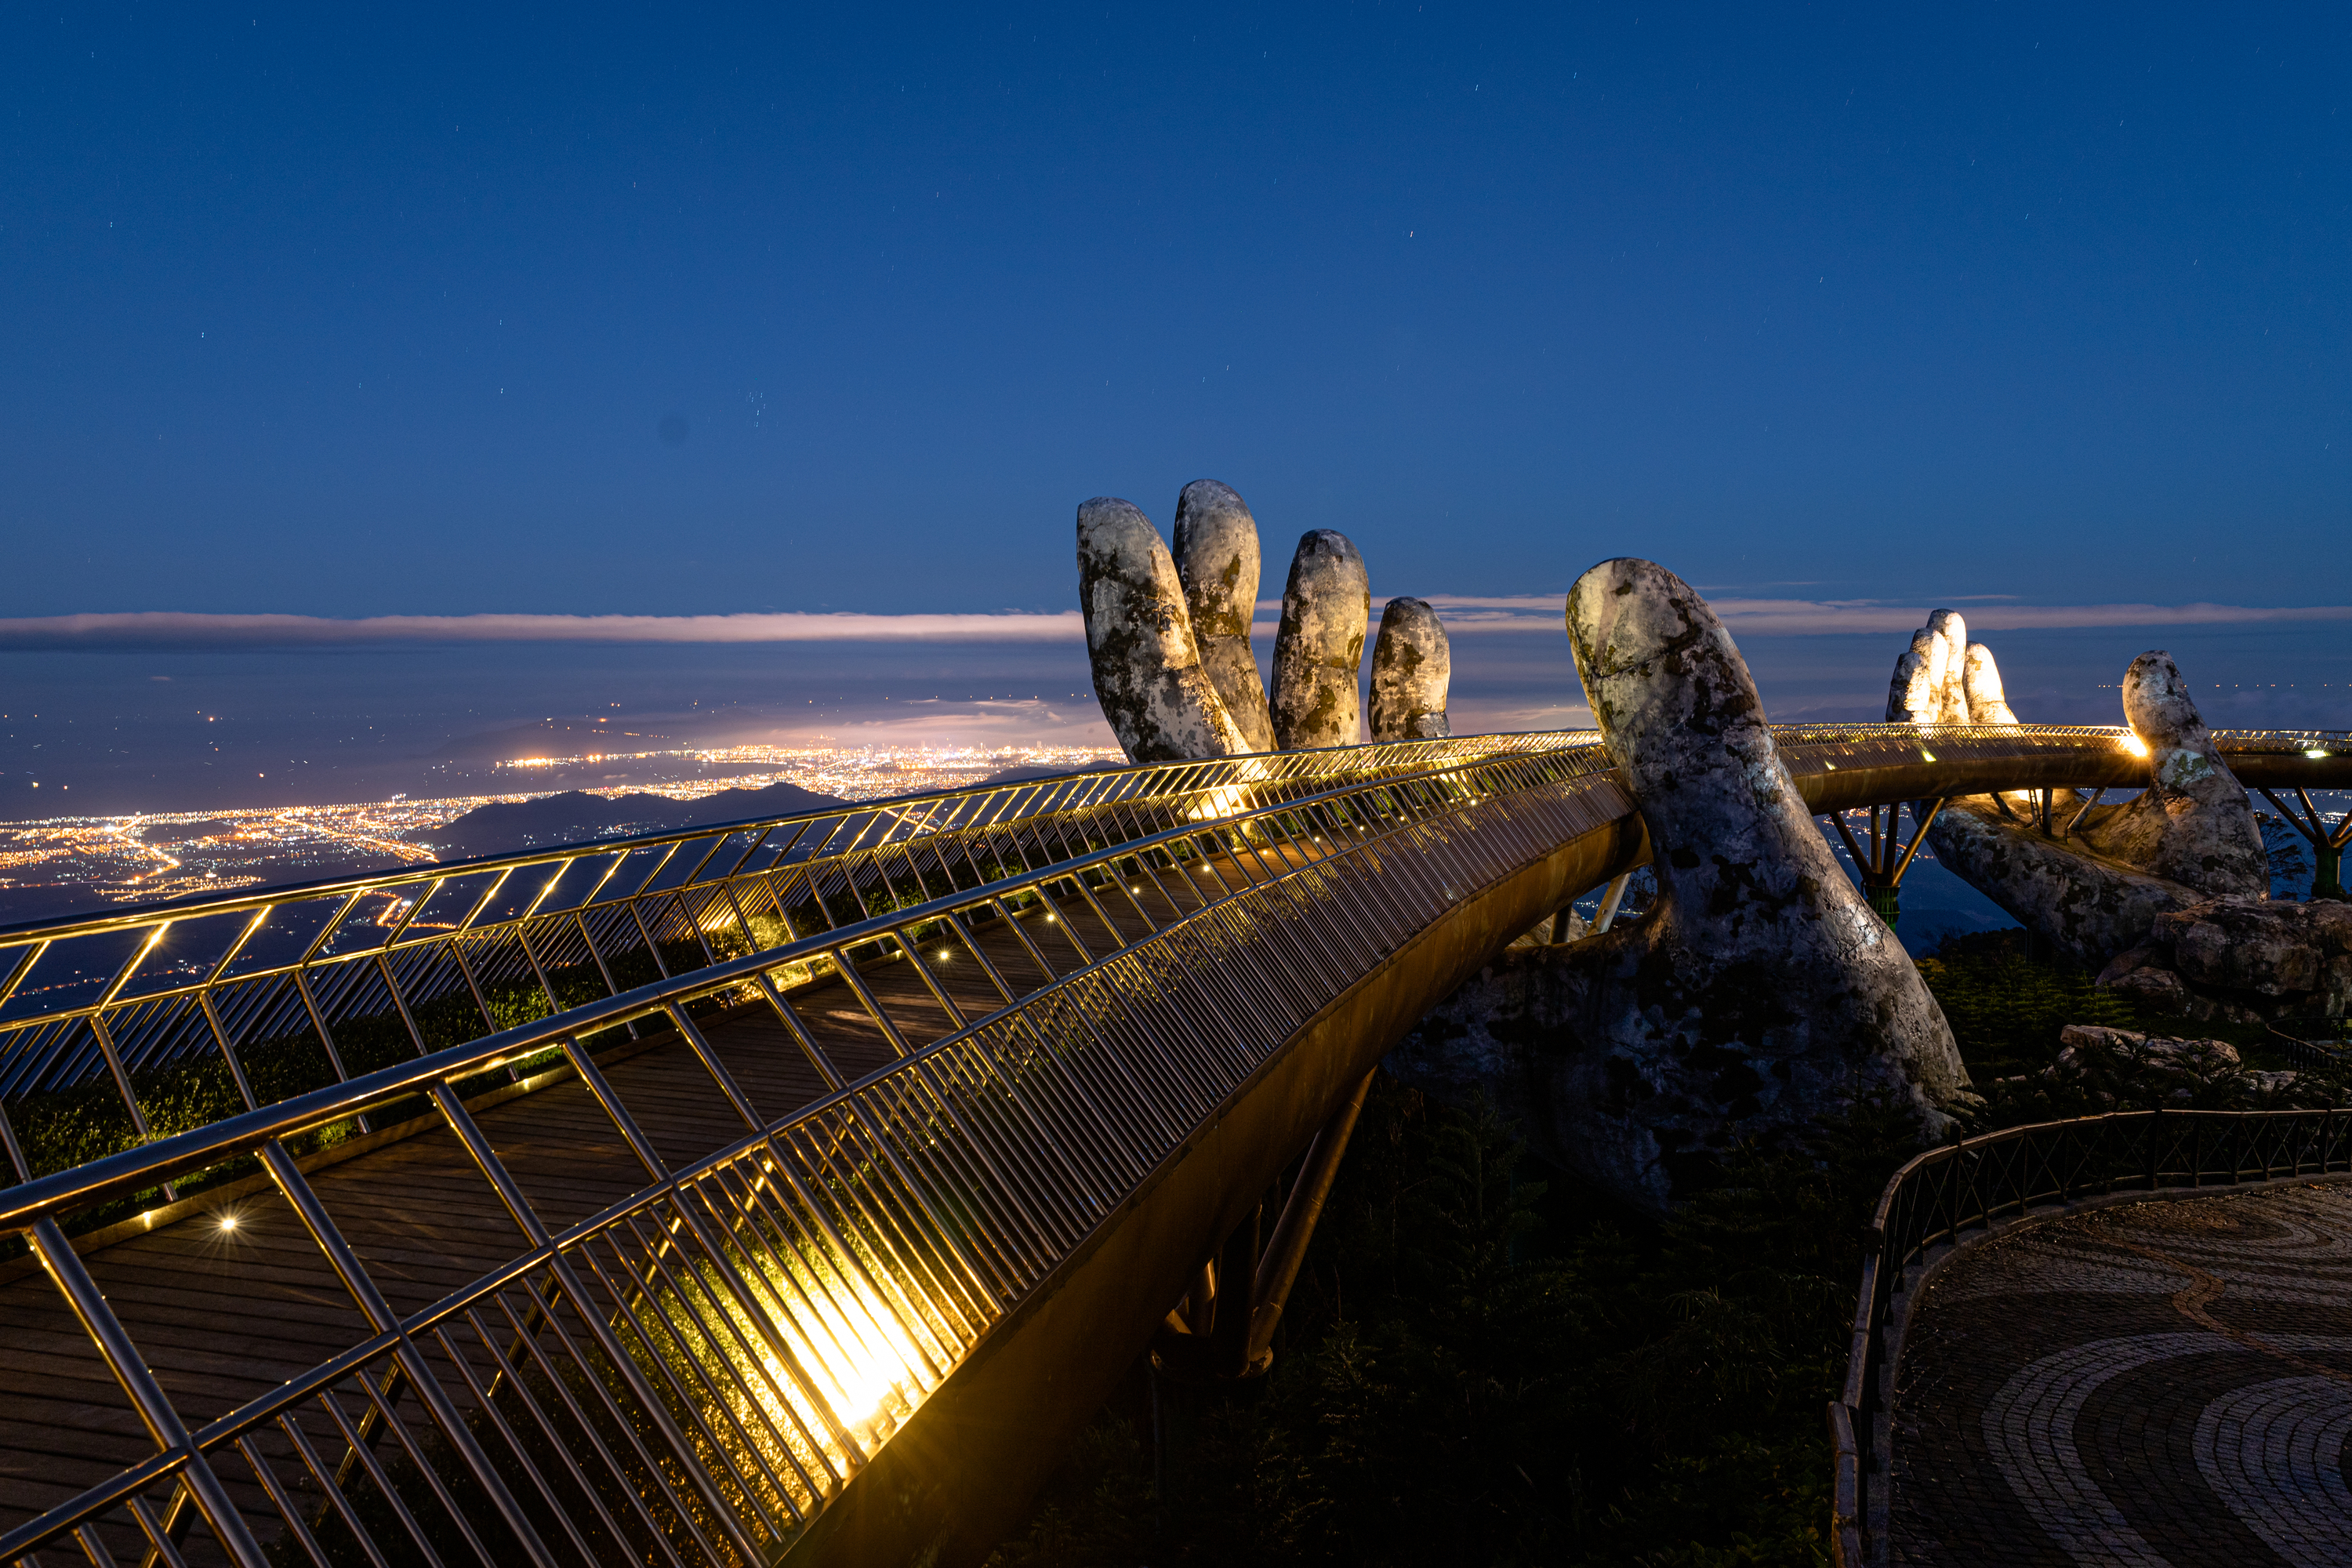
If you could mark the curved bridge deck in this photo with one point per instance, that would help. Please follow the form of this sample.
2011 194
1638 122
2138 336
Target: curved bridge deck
227 1315
846 1163
2161 1383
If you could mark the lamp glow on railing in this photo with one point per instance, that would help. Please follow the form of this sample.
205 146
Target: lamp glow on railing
867 1374
2134 744
867 1371
1222 801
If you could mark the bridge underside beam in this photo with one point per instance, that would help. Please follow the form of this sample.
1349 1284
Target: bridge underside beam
1831 782
958 1475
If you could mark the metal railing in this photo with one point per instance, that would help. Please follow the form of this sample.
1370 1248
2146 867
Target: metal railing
1946 1193
691 1375
286 990
326 980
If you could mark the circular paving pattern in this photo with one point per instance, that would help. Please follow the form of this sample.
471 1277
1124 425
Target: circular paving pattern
2162 1384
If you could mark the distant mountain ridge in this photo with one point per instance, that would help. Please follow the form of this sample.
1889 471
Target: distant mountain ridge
576 816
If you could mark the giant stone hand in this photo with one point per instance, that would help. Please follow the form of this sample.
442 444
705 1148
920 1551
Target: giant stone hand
1759 993
2094 882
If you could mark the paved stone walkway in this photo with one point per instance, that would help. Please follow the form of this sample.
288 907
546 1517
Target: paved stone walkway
2165 1382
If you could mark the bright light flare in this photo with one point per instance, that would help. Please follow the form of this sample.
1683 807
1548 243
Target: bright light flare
864 1374
845 1347
1224 801
2135 746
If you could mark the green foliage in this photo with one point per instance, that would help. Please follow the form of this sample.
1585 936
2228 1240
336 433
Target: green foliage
1478 1370
1479 1367
2009 1005
2006 1007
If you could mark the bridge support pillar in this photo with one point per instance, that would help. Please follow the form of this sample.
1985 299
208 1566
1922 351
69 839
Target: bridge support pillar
1229 1340
2327 843
1227 1328
1882 860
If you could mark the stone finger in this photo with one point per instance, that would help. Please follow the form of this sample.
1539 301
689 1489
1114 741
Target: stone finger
1156 696
1411 668
1217 559
1980 685
1911 696
1318 655
1951 696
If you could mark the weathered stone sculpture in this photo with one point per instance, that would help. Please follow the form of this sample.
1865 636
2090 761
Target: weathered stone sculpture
1147 676
1914 695
1951 698
1981 685
1217 557
2087 906
1930 684
1761 991
1319 654
2194 825
1412 667
2098 890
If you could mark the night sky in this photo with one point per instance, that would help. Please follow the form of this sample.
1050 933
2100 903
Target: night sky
332 313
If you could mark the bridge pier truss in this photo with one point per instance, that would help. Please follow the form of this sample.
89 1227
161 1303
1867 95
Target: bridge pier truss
1881 863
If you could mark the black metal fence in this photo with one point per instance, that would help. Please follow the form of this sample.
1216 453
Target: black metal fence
1948 1193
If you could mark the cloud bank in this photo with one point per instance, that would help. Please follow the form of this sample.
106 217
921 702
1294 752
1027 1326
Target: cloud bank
1462 615
1823 617
173 628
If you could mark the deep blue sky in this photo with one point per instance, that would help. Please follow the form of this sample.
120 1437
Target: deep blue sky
320 311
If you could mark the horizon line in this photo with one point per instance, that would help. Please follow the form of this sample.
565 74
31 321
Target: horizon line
1461 613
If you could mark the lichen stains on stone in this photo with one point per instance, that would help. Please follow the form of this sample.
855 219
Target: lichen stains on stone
1743 1005
1413 666
1217 561
1147 670
1318 653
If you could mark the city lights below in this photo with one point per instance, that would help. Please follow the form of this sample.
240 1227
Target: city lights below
142 857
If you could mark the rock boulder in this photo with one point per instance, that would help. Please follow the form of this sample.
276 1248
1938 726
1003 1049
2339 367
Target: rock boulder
2240 960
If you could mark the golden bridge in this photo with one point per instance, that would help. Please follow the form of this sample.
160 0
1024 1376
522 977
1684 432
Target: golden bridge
776 1191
